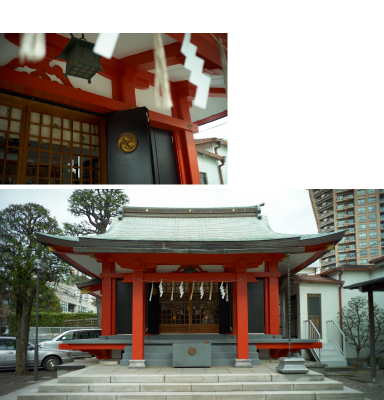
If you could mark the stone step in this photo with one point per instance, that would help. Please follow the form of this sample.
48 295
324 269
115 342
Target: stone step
187 383
228 395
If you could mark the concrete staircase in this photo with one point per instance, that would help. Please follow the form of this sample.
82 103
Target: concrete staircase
331 356
257 383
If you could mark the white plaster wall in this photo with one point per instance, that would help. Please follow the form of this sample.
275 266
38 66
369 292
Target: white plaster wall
210 166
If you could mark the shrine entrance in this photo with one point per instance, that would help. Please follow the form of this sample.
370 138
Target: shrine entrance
189 315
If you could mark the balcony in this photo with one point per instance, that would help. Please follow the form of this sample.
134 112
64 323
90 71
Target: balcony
323 197
326 213
324 263
329 204
381 200
327 222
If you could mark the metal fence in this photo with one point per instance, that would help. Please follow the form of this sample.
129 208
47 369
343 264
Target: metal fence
48 333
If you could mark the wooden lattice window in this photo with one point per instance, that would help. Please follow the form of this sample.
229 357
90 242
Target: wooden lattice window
62 151
10 129
186 315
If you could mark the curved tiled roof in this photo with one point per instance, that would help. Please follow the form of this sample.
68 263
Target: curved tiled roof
197 229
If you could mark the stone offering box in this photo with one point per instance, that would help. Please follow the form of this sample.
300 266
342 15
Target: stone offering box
192 355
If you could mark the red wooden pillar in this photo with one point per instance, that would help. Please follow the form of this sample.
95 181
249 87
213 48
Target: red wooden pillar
123 89
113 306
138 311
266 299
185 150
273 289
106 305
242 311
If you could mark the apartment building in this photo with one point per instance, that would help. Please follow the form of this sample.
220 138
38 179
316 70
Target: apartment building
358 211
72 300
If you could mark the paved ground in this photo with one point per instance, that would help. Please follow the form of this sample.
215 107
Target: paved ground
361 380
11 384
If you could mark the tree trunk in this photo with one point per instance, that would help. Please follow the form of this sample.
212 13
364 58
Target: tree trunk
23 316
98 305
358 354
1 314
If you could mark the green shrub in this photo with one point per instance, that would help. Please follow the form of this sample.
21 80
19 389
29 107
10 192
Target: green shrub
48 319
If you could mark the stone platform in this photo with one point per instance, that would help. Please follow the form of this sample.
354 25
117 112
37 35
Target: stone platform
113 382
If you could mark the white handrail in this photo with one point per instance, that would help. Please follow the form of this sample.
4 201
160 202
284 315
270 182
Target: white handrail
313 333
336 336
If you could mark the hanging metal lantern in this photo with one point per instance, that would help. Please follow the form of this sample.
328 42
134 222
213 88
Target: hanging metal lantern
82 62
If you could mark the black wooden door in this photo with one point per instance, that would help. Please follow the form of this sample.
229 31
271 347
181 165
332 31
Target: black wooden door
225 312
256 321
152 309
135 167
123 307
163 157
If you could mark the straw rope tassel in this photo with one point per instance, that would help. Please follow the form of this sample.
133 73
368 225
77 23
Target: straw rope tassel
172 291
224 65
210 291
32 47
226 292
150 296
163 97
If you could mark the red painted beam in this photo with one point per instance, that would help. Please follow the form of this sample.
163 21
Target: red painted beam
183 277
212 118
95 346
242 311
145 61
206 47
162 121
301 346
218 92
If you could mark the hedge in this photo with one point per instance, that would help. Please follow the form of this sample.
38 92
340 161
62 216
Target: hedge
48 319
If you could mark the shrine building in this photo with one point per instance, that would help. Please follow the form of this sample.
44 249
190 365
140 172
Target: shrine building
78 118
190 277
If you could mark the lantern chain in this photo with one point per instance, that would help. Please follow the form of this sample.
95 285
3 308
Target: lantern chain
289 307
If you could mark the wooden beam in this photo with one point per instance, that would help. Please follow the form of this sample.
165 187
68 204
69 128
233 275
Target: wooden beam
212 118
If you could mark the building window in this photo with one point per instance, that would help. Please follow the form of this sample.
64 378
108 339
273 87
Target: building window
352 255
360 192
63 305
371 199
363 244
352 262
361 209
64 290
361 201
351 230
371 208
71 307
83 309
362 226
203 178
342 248
373 243
352 237
78 308
340 197
340 215
364 253
373 225
341 223
364 261
342 256
352 246
372 216
374 252
362 218
340 206
371 191
351 221
362 235
372 234
350 213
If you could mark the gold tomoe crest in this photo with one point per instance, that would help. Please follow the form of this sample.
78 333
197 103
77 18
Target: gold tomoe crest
127 142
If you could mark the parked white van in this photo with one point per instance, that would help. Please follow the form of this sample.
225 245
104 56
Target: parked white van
68 336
